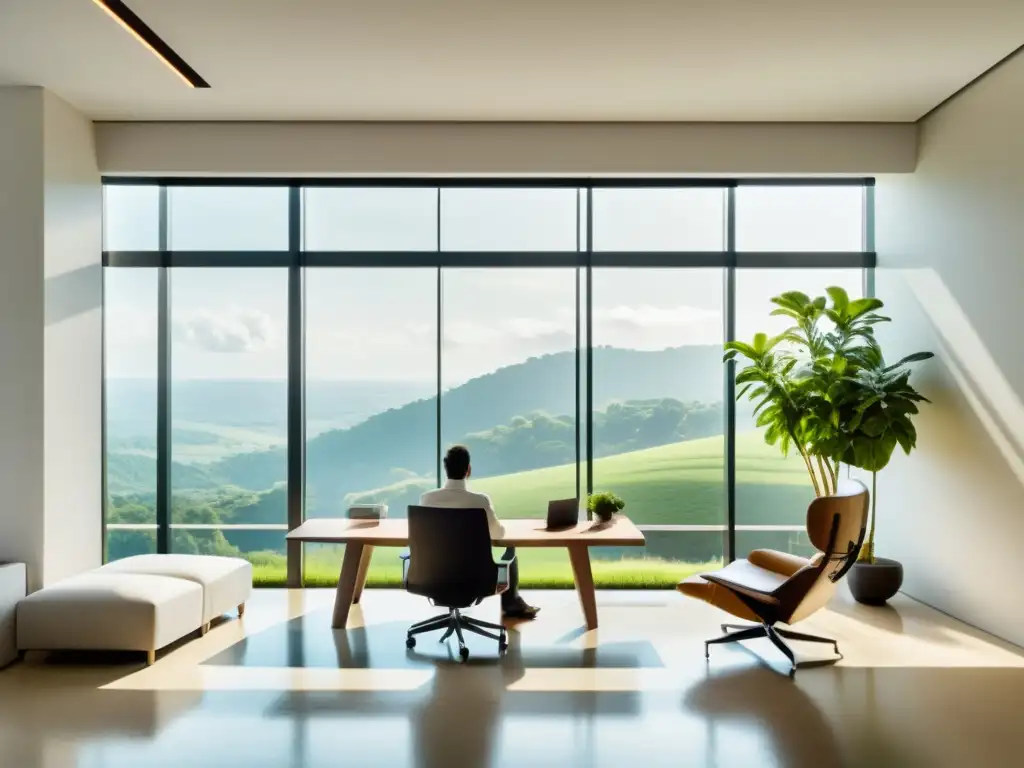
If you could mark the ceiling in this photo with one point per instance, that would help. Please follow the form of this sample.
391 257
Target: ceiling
559 60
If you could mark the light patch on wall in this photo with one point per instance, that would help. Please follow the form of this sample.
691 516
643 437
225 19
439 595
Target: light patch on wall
976 372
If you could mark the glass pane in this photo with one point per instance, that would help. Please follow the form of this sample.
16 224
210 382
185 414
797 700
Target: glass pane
264 548
228 218
371 407
508 220
659 219
799 218
772 489
131 218
508 365
658 416
229 367
130 305
667 558
370 219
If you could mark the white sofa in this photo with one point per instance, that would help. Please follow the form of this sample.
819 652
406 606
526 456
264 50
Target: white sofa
140 603
12 590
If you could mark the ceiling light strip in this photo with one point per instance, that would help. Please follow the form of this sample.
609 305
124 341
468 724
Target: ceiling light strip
124 16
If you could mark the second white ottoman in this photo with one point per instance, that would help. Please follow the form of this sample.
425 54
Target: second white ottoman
226 581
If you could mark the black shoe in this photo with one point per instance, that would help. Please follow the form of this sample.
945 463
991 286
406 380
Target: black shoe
521 611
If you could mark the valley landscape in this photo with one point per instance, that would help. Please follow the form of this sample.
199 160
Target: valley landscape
658 443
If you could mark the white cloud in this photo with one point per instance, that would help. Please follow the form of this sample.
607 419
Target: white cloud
643 326
645 316
232 330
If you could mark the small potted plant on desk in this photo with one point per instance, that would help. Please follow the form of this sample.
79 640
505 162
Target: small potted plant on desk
605 505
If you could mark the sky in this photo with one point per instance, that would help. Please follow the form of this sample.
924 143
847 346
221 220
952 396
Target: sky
381 324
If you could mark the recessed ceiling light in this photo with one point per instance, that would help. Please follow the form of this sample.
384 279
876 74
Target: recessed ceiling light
124 16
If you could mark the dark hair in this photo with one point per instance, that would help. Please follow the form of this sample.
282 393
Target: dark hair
456 462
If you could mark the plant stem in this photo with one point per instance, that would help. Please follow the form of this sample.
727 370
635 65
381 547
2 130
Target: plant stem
869 548
810 471
825 477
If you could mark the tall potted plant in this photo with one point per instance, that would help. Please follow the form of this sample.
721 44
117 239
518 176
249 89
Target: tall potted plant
823 388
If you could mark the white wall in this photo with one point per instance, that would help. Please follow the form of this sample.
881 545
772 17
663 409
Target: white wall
50 337
73 342
951 255
21 326
570 149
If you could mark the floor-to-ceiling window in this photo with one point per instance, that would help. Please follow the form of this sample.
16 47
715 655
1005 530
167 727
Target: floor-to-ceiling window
131 317
278 350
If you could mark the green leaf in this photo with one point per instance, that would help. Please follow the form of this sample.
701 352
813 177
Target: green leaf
876 425
840 298
917 357
860 307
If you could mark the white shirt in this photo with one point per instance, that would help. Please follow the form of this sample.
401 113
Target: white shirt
455 495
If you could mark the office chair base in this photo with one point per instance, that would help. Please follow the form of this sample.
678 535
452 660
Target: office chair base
735 633
454 622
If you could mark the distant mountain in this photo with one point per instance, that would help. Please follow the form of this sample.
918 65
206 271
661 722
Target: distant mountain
128 473
401 442
516 418
256 404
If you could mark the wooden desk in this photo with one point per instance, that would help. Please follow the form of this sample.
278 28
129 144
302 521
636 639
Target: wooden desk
361 536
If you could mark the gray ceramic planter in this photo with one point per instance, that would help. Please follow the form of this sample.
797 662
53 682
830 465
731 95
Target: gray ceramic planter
874 583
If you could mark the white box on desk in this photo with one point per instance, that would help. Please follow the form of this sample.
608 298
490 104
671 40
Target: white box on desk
368 512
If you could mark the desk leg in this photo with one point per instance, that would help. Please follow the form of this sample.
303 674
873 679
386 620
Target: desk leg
579 556
364 566
347 584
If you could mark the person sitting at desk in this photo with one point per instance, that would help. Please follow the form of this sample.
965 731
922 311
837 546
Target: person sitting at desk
455 495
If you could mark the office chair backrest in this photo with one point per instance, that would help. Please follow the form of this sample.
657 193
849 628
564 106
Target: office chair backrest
450 556
835 526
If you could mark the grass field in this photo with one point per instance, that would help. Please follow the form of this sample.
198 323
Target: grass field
539 569
681 483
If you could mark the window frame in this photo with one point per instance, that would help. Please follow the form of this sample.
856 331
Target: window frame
298 260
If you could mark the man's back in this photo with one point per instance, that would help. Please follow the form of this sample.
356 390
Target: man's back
455 495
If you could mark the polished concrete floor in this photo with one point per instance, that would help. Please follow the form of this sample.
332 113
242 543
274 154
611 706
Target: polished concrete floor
280 688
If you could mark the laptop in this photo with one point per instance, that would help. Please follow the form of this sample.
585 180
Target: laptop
563 513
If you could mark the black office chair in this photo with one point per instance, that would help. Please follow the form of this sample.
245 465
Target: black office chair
450 563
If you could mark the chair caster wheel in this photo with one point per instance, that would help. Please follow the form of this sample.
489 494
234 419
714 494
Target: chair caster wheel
410 642
464 653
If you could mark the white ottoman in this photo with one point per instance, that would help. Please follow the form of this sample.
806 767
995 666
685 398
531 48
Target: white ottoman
226 581
110 612
12 589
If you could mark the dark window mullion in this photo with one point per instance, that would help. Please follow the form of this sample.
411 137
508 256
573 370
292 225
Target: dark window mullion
163 389
869 239
440 337
729 316
576 394
590 347
296 387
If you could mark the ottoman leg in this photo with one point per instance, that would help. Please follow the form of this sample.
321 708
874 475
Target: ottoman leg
241 610
150 658
204 629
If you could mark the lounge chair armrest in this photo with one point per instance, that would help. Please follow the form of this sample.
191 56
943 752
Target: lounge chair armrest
740 589
777 562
